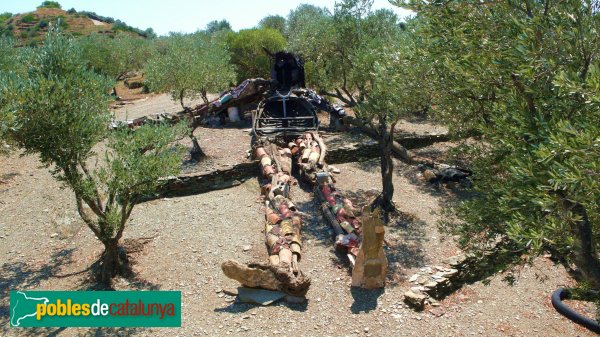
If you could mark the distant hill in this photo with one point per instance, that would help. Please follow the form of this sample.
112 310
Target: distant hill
30 28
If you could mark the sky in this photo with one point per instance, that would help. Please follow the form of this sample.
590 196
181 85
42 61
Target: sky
187 16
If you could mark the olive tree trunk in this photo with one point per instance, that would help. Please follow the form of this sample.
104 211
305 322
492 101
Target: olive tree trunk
584 250
113 261
387 165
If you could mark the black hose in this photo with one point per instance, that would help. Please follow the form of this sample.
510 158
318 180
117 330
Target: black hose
557 297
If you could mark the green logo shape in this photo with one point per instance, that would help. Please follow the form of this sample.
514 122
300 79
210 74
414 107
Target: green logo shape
95 309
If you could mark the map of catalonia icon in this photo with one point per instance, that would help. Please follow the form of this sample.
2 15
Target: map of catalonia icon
24 307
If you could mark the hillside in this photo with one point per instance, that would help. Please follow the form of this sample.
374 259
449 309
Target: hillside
30 28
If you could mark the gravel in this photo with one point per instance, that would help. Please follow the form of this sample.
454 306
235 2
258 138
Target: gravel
193 235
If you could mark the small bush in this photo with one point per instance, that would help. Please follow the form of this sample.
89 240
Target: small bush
50 4
42 24
5 16
28 18
72 11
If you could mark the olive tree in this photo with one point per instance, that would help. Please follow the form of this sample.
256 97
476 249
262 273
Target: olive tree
332 44
276 22
188 66
12 69
396 86
115 56
61 115
248 54
217 26
525 75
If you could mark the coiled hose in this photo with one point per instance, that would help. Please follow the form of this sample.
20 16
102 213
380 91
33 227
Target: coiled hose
557 302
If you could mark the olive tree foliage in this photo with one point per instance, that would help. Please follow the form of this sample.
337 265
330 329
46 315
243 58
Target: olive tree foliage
12 67
217 26
396 86
332 44
526 76
115 56
248 54
276 22
61 113
188 66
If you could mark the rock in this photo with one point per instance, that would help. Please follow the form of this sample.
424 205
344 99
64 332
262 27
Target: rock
417 289
413 278
53 235
430 285
416 299
450 273
334 169
442 281
366 329
437 312
259 296
230 292
247 248
294 299
456 260
422 280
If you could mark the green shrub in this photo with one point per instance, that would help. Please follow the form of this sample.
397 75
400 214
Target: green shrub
50 4
28 18
4 17
62 113
247 52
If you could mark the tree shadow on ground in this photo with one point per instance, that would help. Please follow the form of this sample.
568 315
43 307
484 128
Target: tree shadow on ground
405 238
27 276
133 281
365 300
404 245
240 307
371 166
20 275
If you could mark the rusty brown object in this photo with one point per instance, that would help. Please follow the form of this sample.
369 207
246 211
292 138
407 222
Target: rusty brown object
260 152
370 268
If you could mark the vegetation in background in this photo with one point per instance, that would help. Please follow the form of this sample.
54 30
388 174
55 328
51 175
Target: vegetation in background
396 86
248 54
61 113
50 4
115 57
217 26
11 69
526 76
188 66
276 22
332 44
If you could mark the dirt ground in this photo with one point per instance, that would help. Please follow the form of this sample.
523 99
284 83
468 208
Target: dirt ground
182 242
